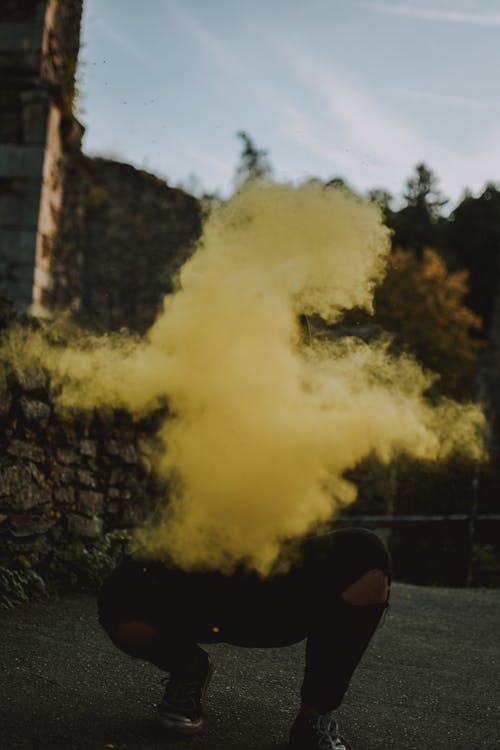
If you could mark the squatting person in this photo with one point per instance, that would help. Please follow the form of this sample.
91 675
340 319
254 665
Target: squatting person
334 597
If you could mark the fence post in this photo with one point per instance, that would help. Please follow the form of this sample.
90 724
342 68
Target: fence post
472 528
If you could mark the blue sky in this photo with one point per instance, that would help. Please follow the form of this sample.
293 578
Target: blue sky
359 89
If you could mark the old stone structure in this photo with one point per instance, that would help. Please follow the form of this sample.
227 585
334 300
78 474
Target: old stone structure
67 481
91 236
39 44
122 236
94 237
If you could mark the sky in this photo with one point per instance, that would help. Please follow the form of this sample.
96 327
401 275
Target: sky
358 89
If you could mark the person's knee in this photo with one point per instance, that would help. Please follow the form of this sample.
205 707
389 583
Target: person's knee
370 589
134 637
363 550
119 604
134 633
368 567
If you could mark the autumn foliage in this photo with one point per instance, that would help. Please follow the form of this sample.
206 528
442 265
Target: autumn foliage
422 303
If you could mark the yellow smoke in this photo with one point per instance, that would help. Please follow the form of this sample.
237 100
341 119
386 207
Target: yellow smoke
263 424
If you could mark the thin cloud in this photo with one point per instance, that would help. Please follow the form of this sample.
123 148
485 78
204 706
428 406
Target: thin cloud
210 43
368 142
461 102
299 127
362 122
221 167
121 40
485 18
190 156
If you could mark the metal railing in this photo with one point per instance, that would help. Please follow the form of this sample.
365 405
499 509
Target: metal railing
395 520
391 520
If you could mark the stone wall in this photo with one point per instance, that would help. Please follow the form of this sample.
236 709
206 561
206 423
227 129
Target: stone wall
39 44
123 235
66 483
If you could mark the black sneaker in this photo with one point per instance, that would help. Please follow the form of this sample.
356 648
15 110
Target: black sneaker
181 709
316 733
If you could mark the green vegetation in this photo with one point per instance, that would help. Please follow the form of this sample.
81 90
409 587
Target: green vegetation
67 79
253 164
18 586
75 567
485 566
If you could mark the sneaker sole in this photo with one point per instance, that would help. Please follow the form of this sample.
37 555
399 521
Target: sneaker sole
173 724
183 725
296 746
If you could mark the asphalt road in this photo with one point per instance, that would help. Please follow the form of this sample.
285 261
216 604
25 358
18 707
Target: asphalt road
429 681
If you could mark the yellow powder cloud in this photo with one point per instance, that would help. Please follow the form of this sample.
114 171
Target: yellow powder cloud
263 424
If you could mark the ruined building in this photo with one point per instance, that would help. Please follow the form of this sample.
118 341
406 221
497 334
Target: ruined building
39 44
92 236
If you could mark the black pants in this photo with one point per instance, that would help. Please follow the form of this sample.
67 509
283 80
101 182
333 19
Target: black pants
245 610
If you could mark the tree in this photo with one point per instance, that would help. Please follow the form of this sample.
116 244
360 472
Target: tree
422 304
383 199
473 236
422 192
337 182
418 224
254 163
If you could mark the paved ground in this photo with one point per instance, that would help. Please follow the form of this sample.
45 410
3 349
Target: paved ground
430 680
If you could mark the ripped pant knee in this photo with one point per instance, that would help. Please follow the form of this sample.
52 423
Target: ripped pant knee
134 637
370 589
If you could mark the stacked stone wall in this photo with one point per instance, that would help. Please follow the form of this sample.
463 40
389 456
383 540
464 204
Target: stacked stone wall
68 483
